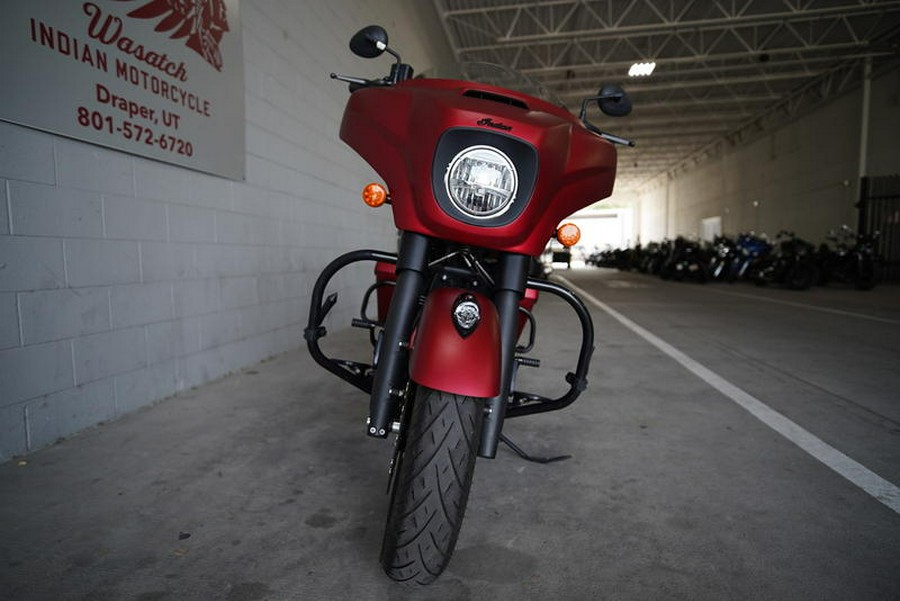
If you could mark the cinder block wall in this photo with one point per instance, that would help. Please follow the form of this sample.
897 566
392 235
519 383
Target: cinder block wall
801 177
124 280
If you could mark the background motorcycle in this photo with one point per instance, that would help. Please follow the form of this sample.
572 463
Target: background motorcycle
792 262
724 254
751 249
852 260
686 260
479 177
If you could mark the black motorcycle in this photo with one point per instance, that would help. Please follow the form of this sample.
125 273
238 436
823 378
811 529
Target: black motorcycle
791 263
724 254
853 259
653 256
686 261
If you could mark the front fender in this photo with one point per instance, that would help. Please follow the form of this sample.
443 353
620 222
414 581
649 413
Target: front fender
443 359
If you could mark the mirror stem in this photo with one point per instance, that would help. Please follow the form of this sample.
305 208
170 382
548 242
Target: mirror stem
584 103
388 49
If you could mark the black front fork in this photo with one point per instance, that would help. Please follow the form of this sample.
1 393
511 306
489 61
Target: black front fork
391 373
509 289
386 383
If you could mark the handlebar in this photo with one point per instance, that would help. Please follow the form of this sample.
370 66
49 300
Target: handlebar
352 80
399 72
357 83
607 136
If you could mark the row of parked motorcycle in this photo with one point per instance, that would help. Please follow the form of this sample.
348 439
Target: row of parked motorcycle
844 257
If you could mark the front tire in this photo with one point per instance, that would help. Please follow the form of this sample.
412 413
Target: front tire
434 477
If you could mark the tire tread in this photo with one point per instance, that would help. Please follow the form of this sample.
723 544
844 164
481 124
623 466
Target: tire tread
435 475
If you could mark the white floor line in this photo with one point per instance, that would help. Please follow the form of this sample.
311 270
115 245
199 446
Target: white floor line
812 307
858 474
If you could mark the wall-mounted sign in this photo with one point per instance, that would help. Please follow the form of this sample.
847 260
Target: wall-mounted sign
158 78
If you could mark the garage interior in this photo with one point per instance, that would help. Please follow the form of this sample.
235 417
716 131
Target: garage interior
165 435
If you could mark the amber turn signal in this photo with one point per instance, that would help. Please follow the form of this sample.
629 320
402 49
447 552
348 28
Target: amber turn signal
374 195
568 234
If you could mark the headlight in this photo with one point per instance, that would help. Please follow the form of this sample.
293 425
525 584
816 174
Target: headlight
481 181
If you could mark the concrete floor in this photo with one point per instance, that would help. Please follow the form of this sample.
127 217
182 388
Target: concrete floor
262 485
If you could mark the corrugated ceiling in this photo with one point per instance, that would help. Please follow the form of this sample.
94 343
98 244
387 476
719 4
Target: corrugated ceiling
725 70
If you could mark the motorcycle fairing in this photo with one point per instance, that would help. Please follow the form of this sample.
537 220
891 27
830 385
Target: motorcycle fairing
576 167
442 359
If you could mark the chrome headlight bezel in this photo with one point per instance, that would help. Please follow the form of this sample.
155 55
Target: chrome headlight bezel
481 181
522 155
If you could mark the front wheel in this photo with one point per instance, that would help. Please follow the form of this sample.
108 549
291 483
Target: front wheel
434 477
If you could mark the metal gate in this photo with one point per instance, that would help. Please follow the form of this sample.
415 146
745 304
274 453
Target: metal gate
879 211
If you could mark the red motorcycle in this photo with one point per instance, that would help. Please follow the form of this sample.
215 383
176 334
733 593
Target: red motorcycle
480 176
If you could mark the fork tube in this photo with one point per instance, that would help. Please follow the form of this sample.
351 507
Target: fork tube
390 371
507 296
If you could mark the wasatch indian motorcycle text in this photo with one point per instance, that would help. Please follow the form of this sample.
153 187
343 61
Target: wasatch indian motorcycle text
115 113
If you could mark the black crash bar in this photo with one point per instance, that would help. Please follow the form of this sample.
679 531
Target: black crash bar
520 404
319 308
529 404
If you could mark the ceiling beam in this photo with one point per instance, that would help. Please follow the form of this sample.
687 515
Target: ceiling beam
687 58
645 119
678 134
847 10
713 101
700 64
640 88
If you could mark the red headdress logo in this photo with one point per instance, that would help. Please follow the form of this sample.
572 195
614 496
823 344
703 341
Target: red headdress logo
202 22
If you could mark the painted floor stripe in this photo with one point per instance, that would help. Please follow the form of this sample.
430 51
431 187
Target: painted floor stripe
811 307
858 474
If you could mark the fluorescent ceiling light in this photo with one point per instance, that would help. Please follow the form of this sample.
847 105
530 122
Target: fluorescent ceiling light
641 69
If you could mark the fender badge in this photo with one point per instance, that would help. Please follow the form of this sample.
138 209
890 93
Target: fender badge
488 122
466 314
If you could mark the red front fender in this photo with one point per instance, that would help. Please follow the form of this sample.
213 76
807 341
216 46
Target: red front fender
443 360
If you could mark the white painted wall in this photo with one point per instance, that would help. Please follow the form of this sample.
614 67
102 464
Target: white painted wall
603 229
124 280
802 177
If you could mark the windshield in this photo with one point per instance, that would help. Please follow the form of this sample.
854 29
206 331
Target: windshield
504 77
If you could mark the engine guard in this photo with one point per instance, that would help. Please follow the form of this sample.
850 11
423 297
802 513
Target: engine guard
358 374
444 359
431 372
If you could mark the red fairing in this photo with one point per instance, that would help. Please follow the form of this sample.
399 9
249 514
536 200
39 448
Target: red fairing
443 360
396 129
